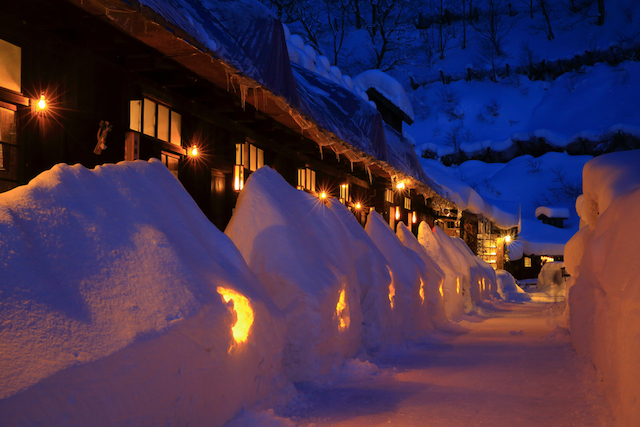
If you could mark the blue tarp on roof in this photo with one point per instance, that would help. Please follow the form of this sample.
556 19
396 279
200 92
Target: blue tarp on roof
243 33
341 112
403 158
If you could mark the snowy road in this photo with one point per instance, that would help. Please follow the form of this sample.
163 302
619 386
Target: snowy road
494 375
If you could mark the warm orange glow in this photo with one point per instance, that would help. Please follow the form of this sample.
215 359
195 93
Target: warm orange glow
238 177
243 311
42 103
400 185
194 151
342 311
358 205
441 289
458 285
507 238
392 290
414 218
421 292
397 213
483 288
323 195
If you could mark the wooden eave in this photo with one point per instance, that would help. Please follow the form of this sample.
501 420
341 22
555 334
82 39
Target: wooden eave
147 26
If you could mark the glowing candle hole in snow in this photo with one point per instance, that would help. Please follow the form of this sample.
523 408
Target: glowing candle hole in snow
392 289
441 289
243 311
458 285
421 292
342 311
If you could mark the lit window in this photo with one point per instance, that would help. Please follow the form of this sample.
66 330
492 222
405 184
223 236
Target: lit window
407 203
171 161
527 262
306 179
388 195
344 193
155 120
10 66
249 156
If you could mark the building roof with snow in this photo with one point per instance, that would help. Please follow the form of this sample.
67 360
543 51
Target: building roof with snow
552 212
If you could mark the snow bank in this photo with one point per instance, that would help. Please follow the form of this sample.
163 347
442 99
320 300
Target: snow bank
431 242
374 279
604 301
509 289
607 177
406 280
111 309
550 280
482 276
301 252
432 277
387 86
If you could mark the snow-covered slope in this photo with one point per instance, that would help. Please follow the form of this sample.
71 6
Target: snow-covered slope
111 305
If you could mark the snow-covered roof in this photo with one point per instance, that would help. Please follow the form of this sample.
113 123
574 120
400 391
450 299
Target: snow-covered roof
552 212
389 87
242 33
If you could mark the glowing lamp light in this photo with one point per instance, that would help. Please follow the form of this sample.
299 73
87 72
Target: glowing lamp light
342 311
238 177
397 213
358 206
323 195
243 312
507 238
42 103
193 151
400 185
421 292
414 218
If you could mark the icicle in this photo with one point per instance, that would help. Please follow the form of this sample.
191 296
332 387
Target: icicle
351 161
321 152
337 156
226 73
243 95
369 172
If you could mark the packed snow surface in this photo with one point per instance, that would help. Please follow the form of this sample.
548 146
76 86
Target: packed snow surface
604 290
111 286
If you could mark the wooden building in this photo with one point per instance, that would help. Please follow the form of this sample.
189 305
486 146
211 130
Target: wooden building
123 81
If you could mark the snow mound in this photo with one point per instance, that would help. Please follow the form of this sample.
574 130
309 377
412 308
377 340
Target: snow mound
604 299
509 289
406 280
432 277
607 177
435 245
111 285
550 279
387 86
301 252
374 278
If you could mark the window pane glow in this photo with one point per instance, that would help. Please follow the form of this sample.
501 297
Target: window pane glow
163 123
176 128
135 115
149 119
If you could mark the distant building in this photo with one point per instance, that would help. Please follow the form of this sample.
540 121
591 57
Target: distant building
552 216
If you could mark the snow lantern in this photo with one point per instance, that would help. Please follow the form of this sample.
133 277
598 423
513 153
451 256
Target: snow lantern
406 278
301 253
141 309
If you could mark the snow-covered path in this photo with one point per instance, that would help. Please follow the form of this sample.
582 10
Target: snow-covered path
494 375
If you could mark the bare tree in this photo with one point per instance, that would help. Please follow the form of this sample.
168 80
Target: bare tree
545 6
493 25
600 12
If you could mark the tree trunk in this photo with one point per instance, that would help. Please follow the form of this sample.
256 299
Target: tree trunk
600 12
